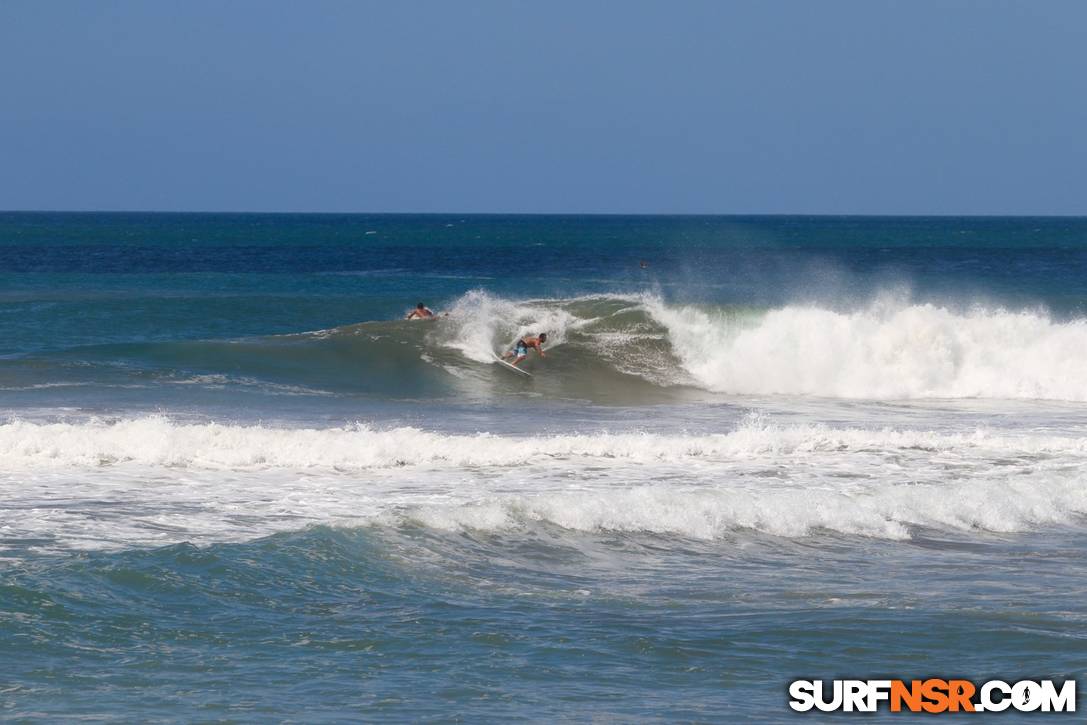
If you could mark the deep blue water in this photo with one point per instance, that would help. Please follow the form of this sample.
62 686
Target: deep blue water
236 485
112 277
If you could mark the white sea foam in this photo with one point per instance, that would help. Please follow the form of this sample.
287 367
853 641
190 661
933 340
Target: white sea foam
152 480
158 441
882 511
482 324
891 350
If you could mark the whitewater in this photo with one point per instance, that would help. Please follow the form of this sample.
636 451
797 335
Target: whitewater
783 480
888 350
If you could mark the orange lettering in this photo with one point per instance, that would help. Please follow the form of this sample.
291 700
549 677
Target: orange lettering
934 691
959 694
911 696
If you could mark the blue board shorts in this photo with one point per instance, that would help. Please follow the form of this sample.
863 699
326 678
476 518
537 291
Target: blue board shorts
520 350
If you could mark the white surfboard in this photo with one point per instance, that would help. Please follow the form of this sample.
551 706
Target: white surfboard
514 368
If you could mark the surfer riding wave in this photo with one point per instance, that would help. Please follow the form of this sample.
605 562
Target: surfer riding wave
520 350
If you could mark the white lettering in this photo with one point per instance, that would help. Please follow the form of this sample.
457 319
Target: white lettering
1026 696
835 701
878 690
988 704
802 694
1062 701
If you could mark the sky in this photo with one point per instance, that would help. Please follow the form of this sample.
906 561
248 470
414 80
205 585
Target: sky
590 106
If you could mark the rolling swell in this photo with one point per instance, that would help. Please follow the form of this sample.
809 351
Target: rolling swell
625 349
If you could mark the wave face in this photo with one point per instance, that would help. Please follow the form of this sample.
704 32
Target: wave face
613 348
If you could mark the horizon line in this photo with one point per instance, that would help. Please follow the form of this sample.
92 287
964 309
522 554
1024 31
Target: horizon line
898 215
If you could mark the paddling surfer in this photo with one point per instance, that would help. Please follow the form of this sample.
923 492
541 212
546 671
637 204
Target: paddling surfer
421 312
520 350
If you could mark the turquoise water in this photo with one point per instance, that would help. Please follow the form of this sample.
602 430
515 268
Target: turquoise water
237 485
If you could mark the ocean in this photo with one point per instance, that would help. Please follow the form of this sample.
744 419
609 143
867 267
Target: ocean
237 485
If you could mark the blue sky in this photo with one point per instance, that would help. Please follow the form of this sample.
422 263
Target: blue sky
771 106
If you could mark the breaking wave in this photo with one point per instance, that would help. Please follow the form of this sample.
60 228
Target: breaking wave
890 350
626 349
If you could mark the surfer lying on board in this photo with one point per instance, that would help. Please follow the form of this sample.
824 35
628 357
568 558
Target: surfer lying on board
421 312
520 350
